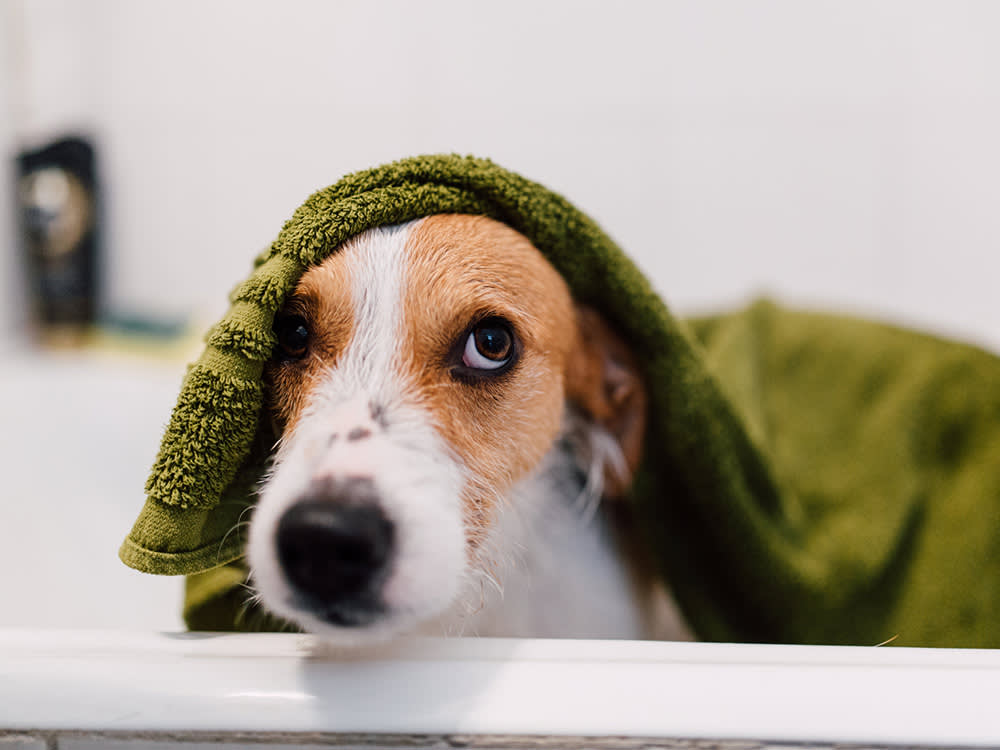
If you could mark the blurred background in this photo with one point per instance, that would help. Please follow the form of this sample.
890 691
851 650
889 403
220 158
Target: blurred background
840 155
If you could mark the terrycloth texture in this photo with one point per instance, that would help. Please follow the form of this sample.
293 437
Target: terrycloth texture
807 479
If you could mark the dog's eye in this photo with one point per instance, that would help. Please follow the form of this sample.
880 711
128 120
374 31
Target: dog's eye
490 345
293 336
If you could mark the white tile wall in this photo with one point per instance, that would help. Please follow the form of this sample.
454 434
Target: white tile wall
10 286
837 153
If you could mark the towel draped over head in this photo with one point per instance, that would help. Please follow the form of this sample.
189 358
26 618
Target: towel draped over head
806 478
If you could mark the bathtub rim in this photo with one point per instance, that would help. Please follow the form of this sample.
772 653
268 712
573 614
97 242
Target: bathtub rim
104 680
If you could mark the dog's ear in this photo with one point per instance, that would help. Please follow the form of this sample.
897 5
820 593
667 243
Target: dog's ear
603 380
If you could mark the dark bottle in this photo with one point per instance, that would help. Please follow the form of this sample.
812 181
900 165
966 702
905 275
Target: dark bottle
57 196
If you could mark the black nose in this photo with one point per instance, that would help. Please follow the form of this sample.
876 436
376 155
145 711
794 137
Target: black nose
333 553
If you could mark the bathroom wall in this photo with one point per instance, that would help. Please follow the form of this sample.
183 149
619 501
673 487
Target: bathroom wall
8 280
836 154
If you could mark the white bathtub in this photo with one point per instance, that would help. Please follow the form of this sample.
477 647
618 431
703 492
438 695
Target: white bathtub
91 654
80 431
161 690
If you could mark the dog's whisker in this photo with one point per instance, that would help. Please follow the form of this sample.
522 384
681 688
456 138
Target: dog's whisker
240 523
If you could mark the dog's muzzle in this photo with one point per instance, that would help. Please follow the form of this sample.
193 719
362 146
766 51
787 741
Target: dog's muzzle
335 547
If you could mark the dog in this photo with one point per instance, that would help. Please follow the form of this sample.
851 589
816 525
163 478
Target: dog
455 435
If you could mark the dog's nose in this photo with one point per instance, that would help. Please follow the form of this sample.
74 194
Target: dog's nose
333 552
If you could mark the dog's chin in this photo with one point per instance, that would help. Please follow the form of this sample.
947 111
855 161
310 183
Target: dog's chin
402 605
352 625
377 631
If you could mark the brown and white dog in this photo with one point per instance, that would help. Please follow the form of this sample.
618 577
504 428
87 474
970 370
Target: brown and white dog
450 419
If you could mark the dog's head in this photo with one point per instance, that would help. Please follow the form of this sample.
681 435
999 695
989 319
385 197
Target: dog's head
422 372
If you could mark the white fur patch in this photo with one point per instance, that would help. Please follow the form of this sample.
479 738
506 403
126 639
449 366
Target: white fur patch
417 482
548 567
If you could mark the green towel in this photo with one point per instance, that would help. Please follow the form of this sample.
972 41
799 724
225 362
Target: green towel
806 479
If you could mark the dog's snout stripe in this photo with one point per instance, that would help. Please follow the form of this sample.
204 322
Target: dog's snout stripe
377 279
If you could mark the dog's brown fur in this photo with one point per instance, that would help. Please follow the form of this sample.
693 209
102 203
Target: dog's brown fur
500 428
